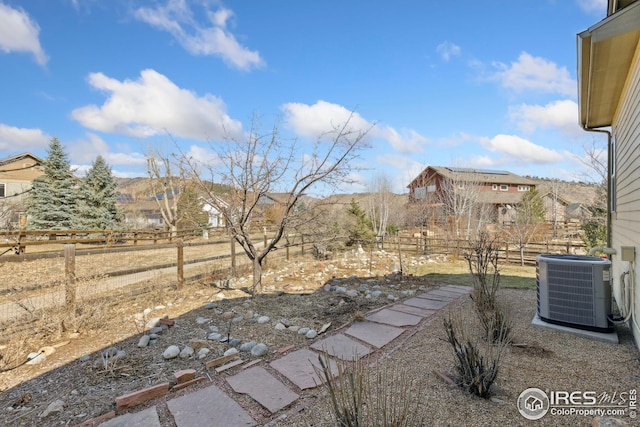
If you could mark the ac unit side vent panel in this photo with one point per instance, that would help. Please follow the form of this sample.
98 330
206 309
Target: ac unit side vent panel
574 291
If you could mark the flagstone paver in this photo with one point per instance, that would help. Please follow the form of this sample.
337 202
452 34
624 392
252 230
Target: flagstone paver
451 295
208 407
456 288
146 418
436 297
425 303
342 347
298 367
409 309
263 387
373 333
394 318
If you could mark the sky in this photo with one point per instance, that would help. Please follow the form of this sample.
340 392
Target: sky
484 84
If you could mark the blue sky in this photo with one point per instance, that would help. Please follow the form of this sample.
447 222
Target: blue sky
486 84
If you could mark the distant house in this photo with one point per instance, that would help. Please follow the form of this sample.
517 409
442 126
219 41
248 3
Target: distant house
16 176
500 190
609 102
216 217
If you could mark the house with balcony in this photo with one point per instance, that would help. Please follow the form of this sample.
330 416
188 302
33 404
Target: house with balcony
608 58
496 190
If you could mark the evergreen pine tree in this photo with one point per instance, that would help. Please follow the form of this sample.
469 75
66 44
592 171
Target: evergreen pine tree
98 196
53 200
360 229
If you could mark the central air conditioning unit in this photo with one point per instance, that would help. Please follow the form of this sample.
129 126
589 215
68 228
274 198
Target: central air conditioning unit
574 291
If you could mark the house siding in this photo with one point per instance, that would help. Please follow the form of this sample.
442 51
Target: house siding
626 217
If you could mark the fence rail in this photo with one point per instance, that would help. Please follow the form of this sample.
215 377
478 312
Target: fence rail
77 271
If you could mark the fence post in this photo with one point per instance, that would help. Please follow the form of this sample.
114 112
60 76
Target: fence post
180 245
70 276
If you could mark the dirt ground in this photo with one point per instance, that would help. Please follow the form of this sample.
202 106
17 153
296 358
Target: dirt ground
77 374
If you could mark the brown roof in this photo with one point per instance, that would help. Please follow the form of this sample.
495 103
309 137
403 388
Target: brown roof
18 157
478 175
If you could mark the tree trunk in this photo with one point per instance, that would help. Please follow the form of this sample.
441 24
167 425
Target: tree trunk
522 255
257 276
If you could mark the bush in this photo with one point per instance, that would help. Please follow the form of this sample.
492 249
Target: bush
377 399
477 362
482 258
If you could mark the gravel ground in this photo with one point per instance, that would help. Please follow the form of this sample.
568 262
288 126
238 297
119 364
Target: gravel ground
551 361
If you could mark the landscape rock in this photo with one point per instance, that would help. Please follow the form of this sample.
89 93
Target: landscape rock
156 330
211 305
214 336
280 327
36 358
153 323
248 346
144 341
234 342
237 319
231 351
201 320
286 322
303 331
186 352
171 352
203 352
311 334
263 319
110 352
259 350
54 407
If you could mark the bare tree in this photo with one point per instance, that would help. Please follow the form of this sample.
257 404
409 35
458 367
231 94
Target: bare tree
555 188
264 163
168 184
379 204
459 195
528 220
596 225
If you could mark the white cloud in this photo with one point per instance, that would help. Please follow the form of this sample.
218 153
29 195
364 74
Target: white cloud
447 49
86 151
593 6
409 141
213 39
408 168
25 139
562 115
537 74
323 117
19 33
519 150
154 104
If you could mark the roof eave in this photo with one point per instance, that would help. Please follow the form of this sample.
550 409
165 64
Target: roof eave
605 53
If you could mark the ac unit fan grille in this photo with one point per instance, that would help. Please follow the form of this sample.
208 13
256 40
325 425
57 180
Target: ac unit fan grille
570 290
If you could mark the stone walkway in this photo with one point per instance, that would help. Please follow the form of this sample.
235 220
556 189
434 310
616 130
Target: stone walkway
211 406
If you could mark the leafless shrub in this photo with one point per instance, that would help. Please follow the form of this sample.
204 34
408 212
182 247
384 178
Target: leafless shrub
477 362
379 398
482 259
